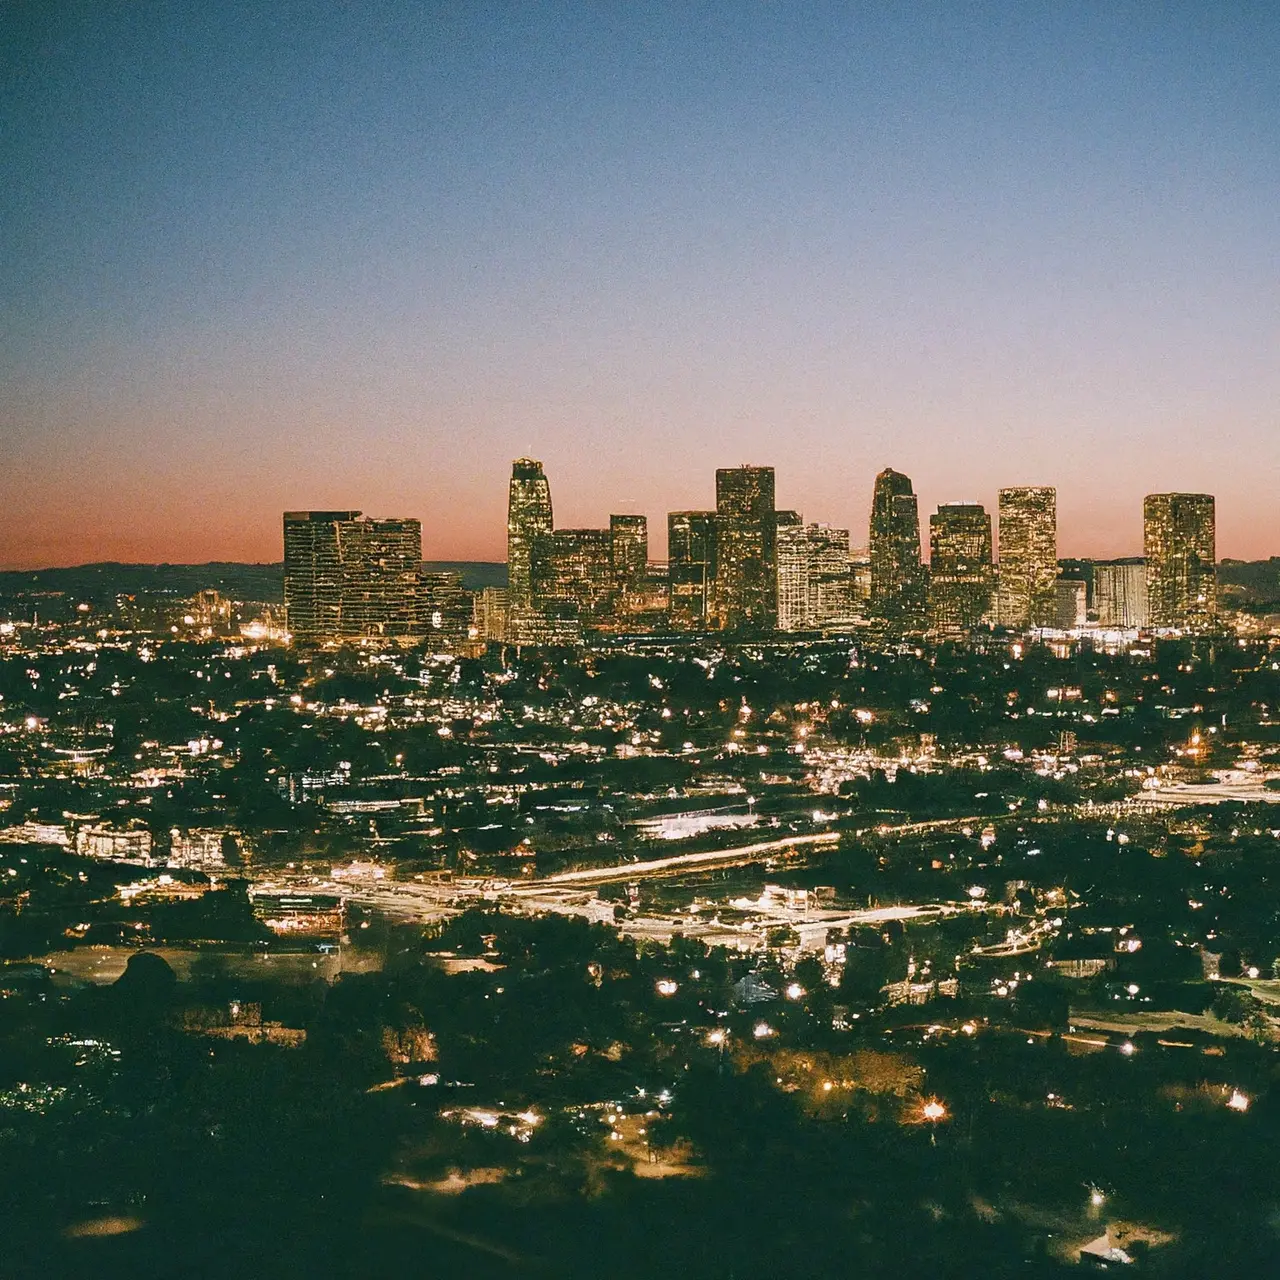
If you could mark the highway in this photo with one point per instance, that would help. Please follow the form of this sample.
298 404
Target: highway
572 893
678 863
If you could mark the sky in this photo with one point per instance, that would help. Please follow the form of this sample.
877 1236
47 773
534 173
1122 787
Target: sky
261 257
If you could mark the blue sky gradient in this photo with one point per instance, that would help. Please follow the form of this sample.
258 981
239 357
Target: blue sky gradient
261 257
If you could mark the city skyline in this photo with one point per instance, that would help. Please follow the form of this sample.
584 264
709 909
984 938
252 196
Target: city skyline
749 569
859 527
261 264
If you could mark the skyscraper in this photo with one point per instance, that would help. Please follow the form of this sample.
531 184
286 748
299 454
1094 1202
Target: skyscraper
1179 540
814 580
1028 556
897 576
572 571
960 569
489 613
349 577
629 550
793 578
528 515
691 568
747 572
1120 593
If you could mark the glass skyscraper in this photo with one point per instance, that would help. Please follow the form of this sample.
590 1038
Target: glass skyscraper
349 577
528 515
691 568
960 569
746 594
897 576
1028 557
1178 534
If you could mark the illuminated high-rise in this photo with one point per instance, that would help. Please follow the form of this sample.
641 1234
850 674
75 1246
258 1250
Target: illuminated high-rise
793 578
1120 593
691 568
746 595
572 572
814 580
960 569
349 577
897 576
1180 544
489 613
1028 556
629 552
528 516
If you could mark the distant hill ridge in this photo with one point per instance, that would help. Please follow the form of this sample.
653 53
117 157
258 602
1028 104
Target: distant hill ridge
258 582
1255 582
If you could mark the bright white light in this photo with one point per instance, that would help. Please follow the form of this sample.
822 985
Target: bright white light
667 986
762 1031
717 1037
1238 1101
933 1111
795 991
1128 1048
1096 1198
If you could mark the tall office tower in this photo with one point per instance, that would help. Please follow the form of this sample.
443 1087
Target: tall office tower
960 570
1179 540
897 576
347 577
383 589
629 549
572 574
746 594
794 558
1120 593
1028 556
489 613
691 568
815 585
528 516
313 573
831 586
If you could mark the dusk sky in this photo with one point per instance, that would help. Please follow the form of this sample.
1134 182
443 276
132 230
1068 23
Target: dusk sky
267 256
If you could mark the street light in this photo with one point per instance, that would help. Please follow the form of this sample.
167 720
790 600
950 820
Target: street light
933 1111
